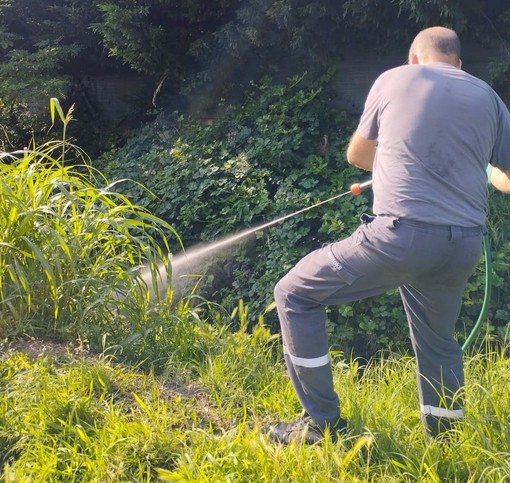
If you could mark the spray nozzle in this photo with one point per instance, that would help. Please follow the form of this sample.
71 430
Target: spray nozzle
358 188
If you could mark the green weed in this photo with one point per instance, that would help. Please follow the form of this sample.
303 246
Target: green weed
71 248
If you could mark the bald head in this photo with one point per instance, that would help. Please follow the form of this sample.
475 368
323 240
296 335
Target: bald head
435 44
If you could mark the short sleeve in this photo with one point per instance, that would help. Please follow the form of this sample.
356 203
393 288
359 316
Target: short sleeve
368 126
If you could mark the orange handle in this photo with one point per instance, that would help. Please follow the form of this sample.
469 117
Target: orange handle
358 188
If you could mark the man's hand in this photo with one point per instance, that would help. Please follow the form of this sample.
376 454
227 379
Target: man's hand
500 179
361 152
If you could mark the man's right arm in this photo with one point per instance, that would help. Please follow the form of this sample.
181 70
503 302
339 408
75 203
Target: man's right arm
500 179
361 152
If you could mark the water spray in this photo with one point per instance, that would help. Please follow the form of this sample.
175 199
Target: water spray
185 263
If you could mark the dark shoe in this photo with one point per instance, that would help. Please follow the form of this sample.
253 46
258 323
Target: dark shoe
304 430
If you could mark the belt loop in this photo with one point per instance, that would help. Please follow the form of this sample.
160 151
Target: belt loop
392 222
455 232
365 218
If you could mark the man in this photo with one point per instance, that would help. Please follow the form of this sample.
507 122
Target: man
428 132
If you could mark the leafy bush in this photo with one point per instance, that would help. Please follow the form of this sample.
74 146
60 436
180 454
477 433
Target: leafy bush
277 152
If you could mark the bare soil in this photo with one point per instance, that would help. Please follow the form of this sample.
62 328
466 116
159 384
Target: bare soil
36 348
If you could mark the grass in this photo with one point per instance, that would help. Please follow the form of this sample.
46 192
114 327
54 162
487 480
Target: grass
74 418
171 392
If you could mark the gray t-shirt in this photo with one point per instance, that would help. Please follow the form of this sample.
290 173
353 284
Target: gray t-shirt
437 128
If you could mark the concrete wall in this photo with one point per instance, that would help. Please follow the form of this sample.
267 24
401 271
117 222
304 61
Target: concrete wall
114 97
119 97
357 72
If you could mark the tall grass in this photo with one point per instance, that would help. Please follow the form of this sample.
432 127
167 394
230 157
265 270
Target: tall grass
70 248
71 419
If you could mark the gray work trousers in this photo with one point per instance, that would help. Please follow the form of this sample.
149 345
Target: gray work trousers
429 263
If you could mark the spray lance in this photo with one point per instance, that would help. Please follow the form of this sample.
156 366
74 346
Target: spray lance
184 262
357 189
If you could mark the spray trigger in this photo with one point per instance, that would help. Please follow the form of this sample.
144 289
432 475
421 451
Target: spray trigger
358 188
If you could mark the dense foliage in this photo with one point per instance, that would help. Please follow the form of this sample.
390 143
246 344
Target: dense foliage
276 146
46 48
278 152
213 46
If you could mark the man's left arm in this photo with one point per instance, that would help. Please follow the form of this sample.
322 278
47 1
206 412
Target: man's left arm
500 179
361 152
500 173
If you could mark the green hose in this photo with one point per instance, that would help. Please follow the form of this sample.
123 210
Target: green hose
488 285
488 282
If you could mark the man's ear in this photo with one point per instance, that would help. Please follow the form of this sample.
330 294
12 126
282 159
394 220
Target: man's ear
460 64
413 58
